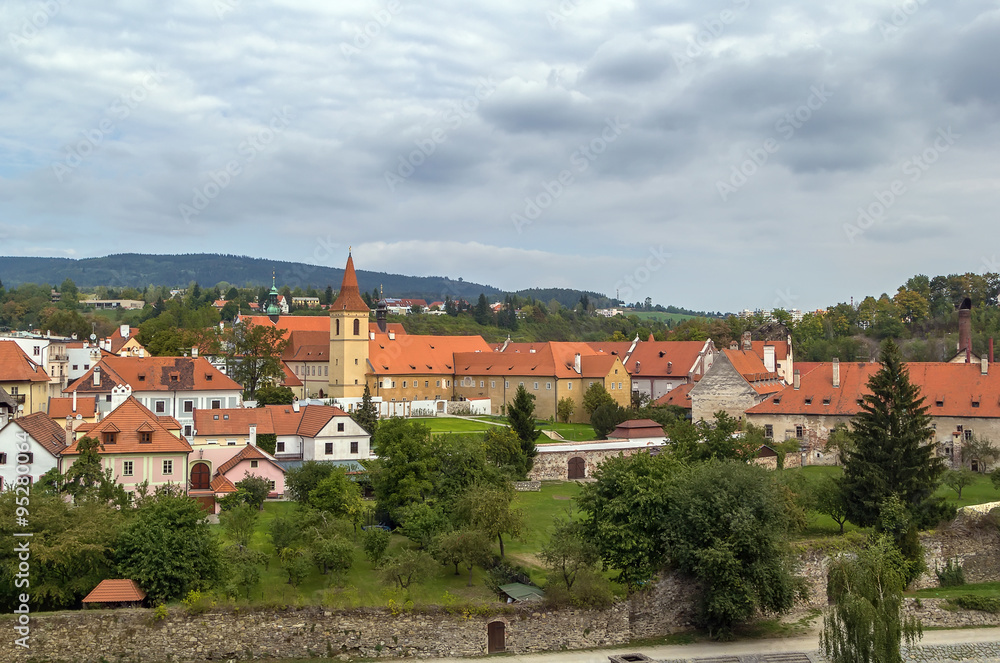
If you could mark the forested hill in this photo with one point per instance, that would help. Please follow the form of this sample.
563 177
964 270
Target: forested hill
138 271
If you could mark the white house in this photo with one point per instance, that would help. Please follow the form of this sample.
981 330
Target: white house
34 442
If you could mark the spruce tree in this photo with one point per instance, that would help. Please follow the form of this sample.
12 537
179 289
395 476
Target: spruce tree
521 419
366 416
893 448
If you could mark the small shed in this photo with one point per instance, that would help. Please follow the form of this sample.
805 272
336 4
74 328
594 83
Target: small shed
520 593
116 593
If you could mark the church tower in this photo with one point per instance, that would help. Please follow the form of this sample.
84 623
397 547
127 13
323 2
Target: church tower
348 338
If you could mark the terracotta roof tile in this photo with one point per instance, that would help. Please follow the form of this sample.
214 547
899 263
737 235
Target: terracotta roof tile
413 354
349 298
115 591
555 359
60 408
307 422
233 421
45 431
249 452
221 484
679 396
126 421
655 358
290 379
637 429
16 366
155 374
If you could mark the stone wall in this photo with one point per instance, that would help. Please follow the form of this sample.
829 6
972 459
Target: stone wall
931 614
551 465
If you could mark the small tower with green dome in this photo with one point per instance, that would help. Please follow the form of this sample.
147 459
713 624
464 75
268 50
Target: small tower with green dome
273 310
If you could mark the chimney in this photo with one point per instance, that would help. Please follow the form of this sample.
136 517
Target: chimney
746 341
984 365
69 430
576 363
392 336
74 402
123 330
253 435
638 366
965 327
97 376
194 352
769 358
836 373
295 405
797 380
670 367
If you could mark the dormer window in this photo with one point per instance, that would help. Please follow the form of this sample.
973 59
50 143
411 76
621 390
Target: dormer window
826 401
145 437
975 403
809 401
110 438
939 402
215 417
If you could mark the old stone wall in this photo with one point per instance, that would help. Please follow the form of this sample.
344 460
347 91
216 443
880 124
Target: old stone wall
555 465
931 613
135 635
722 388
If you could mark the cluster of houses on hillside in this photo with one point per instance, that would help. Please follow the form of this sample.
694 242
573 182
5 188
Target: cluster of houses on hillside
183 420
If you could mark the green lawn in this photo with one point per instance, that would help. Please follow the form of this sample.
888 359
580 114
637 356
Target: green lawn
360 587
440 425
574 432
662 316
982 589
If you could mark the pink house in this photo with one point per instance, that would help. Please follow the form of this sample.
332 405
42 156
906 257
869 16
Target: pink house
254 460
137 446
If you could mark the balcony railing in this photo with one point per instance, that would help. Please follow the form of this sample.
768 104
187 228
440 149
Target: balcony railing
18 398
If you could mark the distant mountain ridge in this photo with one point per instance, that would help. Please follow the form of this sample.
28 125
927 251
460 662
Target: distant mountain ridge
138 271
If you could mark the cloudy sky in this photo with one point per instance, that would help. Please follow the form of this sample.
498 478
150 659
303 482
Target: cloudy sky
716 154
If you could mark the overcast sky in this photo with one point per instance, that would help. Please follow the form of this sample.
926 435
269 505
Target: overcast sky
710 154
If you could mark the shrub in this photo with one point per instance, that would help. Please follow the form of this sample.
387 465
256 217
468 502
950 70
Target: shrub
952 575
977 602
375 540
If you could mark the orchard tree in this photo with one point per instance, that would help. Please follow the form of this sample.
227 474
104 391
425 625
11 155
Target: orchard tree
491 509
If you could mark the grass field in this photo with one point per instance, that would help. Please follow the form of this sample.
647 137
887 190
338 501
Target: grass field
982 589
661 316
360 586
573 432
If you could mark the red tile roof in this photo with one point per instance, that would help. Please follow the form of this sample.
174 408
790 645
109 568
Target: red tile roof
155 374
553 359
60 408
308 346
957 387
232 421
290 379
679 396
115 591
118 341
45 431
780 349
349 298
634 429
656 358
413 354
310 323
128 420
221 484
307 422
16 366
249 452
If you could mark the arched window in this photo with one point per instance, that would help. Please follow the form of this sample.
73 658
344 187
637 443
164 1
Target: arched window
200 477
337 324
357 327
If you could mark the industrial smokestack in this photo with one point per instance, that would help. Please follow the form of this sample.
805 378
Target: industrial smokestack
965 327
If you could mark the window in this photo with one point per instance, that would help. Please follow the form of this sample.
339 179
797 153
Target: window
536 385
187 430
145 437
329 448
548 385
768 431
967 435
826 401
437 383
612 385
569 386
216 405
160 407
506 384
404 384
127 468
482 383
76 367
38 351
427 383
270 485
110 438
3 459
107 398
354 447
800 431
337 326
168 467
213 441
619 385
254 463
357 327
231 443
493 384
279 447
447 383
340 427
25 458
809 401
393 384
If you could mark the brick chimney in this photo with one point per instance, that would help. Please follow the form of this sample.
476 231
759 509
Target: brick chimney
836 373
965 328
746 341
796 380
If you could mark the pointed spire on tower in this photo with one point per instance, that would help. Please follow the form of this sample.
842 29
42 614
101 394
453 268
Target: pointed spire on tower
349 298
